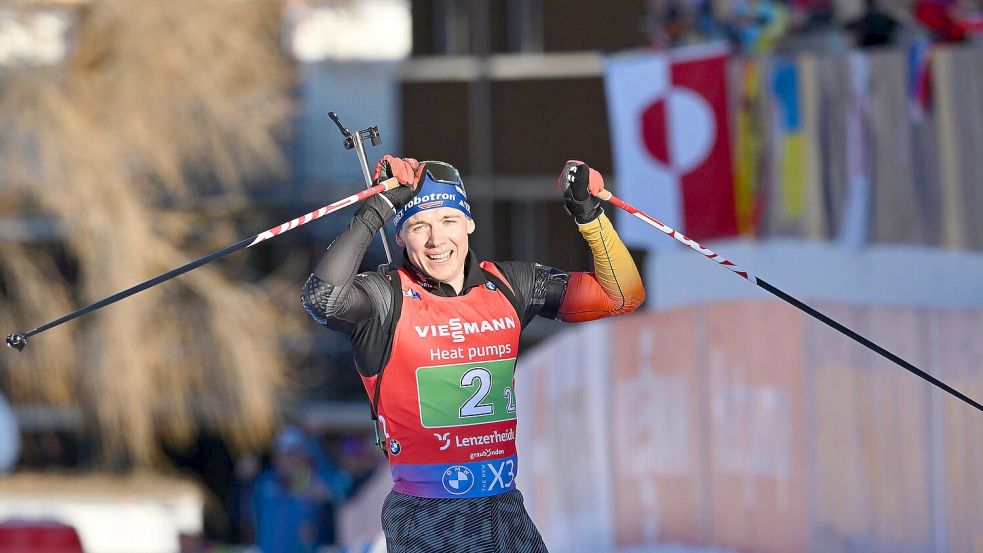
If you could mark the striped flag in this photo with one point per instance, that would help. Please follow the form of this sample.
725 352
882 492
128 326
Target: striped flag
791 161
671 141
919 80
815 222
749 148
854 226
959 126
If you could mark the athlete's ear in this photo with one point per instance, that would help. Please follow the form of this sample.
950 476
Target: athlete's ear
470 226
399 240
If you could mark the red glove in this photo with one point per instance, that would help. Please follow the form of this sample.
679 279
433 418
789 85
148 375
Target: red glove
408 171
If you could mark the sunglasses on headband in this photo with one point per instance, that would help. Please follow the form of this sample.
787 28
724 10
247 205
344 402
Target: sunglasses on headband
443 172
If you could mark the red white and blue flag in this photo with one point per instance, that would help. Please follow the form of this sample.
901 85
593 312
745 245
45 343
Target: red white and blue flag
671 142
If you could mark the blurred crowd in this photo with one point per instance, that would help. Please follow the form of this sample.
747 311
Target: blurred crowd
288 501
761 26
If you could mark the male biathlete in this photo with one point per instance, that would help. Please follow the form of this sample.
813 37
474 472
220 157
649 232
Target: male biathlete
436 341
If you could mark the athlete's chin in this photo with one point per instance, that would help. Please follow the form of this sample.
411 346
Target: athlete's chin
444 274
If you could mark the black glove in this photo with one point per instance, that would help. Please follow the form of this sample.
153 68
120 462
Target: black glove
409 173
580 184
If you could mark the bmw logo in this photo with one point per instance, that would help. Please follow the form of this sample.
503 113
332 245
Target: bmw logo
457 480
394 447
490 286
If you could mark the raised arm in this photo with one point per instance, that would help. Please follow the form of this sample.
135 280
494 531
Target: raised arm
614 287
330 294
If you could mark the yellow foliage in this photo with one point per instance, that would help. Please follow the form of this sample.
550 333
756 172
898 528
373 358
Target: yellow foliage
151 94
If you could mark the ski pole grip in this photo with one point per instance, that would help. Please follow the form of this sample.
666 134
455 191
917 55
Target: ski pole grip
390 184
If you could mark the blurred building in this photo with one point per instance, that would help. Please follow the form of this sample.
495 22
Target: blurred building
508 91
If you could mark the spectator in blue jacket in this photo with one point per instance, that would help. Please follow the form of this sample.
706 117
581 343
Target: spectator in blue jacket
295 499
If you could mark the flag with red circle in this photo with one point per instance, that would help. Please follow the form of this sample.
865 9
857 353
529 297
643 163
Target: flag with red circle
671 141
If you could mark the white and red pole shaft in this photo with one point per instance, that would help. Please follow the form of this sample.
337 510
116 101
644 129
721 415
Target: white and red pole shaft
18 340
713 256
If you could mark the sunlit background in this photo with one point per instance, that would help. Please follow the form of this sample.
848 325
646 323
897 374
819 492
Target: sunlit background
831 147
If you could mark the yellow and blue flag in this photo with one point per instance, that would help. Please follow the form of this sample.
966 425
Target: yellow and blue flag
790 141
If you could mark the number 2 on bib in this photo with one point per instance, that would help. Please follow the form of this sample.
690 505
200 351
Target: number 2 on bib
473 406
466 394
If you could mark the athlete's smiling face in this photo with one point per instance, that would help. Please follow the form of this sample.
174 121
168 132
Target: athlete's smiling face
436 242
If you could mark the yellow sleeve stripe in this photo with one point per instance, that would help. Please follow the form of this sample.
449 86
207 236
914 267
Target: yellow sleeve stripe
614 268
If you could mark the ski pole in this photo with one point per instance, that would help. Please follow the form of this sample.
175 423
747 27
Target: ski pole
747 275
18 340
357 140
